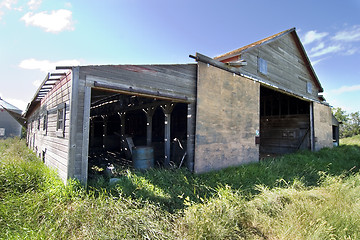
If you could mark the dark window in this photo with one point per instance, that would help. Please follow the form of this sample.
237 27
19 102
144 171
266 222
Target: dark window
45 123
262 66
60 122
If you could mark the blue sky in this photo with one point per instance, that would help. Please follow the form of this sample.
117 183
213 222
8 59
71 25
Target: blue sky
37 35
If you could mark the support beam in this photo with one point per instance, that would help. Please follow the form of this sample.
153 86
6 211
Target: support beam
312 133
122 122
105 118
149 116
190 146
85 140
167 109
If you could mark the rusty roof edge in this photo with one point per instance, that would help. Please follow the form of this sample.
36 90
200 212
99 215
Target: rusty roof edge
254 45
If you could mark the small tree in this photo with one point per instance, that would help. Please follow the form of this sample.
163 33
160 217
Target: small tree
350 122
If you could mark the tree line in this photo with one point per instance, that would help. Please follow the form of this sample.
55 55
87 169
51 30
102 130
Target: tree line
350 123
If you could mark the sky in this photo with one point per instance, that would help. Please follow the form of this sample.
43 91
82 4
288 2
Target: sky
37 35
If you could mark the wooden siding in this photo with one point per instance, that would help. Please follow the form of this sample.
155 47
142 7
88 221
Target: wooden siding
284 134
322 126
227 119
178 80
48 141
285 66
167 80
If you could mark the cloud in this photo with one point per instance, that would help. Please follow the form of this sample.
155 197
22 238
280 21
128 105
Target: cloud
53 22
8 4
349 35
313 63
321 45
21 104
312 36
327 50
36 83
345 89
45 65
68 4
34 4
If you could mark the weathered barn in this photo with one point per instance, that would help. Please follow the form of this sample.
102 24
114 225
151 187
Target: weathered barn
9 126
260 99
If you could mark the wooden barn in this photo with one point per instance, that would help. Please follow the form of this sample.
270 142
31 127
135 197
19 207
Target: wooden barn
218 112
9 125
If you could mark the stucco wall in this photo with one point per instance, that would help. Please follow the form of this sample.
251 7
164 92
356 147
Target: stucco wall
227 119
322 126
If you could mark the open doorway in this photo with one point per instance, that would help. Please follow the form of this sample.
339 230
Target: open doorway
284 123
121 122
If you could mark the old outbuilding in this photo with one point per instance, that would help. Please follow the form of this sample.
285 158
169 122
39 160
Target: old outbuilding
259 100
9 124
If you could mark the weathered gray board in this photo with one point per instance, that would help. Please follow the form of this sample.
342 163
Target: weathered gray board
158 81
285 66
284 134
322 126
227 119
48 143
9 125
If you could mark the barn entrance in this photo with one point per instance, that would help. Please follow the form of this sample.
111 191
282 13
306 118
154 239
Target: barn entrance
284 123
121 122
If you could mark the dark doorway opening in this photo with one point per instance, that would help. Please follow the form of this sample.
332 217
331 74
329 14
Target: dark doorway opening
121 122
284 123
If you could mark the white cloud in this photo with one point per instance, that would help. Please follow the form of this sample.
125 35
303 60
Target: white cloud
321 45
312 36
34 4
45 65
313 63
36 83
54 22
351 51
21 104
345 89
327 50
8 3
349 35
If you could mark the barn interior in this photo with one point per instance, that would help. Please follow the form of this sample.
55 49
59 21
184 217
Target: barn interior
121 122
284 123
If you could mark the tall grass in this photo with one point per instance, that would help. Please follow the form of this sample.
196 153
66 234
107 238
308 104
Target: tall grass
299 196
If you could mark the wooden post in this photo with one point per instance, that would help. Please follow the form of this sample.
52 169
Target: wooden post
312 133
92 131
167 109
85 140
105 118
149 116
122 122
190 146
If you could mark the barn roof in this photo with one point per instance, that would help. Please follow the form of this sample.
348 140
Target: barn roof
13 111
270 39
6 105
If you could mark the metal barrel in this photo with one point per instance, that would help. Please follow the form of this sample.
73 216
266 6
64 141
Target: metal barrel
143 157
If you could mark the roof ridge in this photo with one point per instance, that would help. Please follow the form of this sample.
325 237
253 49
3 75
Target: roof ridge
254 44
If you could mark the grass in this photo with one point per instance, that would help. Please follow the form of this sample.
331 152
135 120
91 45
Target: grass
290 197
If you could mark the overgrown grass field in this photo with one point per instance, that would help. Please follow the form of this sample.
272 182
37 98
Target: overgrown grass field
298 196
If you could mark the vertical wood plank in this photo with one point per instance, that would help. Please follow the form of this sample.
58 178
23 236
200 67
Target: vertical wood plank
74 99
85 142
167 138
190 146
